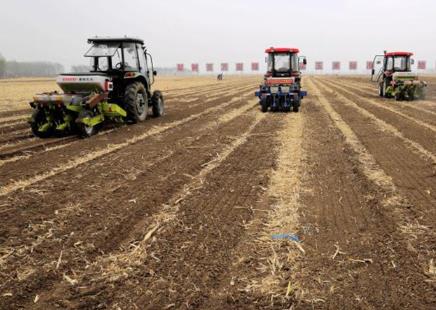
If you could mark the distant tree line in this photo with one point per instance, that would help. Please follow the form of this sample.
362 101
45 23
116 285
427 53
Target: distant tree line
12 68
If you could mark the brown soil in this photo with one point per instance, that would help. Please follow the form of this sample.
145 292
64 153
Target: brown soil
180 211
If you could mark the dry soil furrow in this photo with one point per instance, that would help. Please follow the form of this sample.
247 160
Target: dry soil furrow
383 126
193 251
25 147
88 146
407 242
185 136
159 188
412 128
262 264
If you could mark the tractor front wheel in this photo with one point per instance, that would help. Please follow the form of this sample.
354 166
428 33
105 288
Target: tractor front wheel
264 105
136 102
38 119
381 91
384 87
296 105
157 104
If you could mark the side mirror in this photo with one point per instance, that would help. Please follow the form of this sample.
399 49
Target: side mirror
304 61
412 61
372 72
266 59
154 72
378 62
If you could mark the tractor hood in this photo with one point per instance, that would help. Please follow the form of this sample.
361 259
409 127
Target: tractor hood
84 83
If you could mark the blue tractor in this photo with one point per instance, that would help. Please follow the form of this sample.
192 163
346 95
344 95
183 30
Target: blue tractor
281 90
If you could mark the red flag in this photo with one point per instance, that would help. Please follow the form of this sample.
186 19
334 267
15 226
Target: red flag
254 66
422 64
336 65
369 65
224 66
319 65
209 67
353 65
194 67
239 66
180 67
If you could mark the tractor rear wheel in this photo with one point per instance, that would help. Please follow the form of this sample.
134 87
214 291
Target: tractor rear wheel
157 104
136 102
38 119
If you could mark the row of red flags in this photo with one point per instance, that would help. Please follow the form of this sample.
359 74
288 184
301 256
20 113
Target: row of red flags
224 67
319 65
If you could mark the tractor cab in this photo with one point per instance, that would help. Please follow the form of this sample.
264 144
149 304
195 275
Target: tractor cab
392 62
283 62
123 60
395 76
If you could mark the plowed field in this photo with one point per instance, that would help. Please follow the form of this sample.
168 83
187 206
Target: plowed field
217 205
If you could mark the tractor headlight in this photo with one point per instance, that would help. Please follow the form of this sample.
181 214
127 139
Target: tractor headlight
274 89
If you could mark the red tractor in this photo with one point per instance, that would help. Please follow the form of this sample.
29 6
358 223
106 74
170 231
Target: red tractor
395 76
281 90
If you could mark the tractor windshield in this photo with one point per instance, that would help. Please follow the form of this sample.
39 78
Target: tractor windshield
102 50
282 63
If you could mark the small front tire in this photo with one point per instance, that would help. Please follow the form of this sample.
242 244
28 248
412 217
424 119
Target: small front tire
264 105
158 106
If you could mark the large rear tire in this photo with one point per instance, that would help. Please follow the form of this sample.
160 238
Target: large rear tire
38 119
136 102
158 106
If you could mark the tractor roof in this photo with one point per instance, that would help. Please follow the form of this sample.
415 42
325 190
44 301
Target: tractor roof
282 50
398 54
115 39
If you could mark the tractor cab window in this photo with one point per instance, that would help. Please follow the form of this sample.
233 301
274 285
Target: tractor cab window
270 62
131 61
105 56
282 63
398 63
402 63
390 64
142 61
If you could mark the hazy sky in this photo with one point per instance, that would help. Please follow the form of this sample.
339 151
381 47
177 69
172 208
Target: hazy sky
202 31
